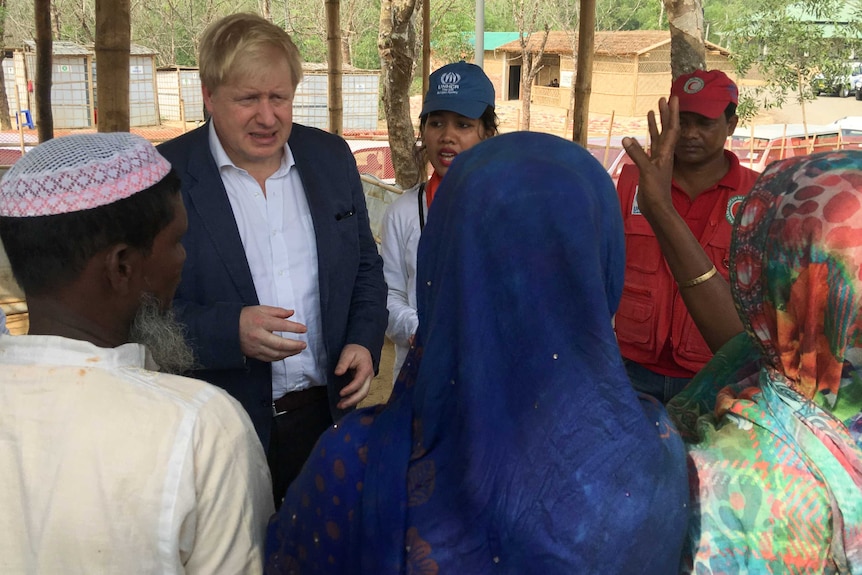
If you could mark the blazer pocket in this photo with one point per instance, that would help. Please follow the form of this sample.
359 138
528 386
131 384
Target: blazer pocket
345 214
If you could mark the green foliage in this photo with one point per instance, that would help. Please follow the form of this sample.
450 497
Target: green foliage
630 15
365 54
788 46
311 47
748 107
363 21
451 34
498 16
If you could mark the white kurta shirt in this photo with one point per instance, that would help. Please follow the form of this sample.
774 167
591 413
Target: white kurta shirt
277 234
109 467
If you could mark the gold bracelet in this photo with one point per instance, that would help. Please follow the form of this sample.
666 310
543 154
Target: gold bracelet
699 279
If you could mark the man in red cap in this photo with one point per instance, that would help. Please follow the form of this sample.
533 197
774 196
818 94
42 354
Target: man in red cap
678 207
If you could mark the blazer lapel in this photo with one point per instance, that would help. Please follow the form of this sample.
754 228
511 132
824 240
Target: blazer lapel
208 198
309 166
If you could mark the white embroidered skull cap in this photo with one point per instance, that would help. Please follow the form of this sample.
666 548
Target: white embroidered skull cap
80 172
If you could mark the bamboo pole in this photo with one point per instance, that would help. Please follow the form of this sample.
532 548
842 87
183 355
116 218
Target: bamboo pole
379 184
333 57
584 78
156 90
751 148
608 141
18 113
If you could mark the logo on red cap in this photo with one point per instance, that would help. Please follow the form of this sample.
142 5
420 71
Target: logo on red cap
693 86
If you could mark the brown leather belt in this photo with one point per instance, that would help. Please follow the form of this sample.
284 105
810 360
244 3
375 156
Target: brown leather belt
294 400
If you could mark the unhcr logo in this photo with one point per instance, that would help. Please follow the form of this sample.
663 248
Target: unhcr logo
449 83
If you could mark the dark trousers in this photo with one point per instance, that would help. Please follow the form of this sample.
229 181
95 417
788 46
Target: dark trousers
293 437
661 387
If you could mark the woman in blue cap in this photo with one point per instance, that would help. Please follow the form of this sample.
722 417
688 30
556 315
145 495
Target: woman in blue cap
513 442
457 114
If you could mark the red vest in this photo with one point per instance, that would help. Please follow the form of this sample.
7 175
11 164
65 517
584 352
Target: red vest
651 313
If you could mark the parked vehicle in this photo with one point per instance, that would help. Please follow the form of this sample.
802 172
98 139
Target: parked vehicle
374 158
841 85
761 145
850 126
610 153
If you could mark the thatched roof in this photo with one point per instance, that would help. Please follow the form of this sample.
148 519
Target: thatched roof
622 43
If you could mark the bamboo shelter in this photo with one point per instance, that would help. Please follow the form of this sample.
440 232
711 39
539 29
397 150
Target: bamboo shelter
631 70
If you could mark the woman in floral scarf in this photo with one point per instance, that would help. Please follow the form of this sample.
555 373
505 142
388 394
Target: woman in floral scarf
773 422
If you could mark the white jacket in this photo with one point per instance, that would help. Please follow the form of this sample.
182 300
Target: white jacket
398 244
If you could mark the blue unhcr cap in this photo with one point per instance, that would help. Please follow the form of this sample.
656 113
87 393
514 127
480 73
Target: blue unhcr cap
461 88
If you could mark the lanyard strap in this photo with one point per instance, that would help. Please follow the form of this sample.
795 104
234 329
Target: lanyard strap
421 207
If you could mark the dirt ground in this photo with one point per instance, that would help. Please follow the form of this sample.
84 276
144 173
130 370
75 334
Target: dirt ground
381 386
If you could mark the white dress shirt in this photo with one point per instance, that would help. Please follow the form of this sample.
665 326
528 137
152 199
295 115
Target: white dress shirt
281 248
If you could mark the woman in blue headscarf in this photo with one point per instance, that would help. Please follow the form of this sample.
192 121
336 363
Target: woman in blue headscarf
513 442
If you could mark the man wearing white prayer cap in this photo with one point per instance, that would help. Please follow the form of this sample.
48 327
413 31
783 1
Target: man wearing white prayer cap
110 466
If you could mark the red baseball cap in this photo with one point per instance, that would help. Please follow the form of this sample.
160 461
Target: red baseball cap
705 92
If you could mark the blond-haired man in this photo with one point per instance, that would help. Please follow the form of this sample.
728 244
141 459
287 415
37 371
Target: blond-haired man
283 292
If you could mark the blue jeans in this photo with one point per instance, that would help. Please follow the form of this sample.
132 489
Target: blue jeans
661 387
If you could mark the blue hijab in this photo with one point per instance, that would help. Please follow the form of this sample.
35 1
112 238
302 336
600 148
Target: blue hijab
513 442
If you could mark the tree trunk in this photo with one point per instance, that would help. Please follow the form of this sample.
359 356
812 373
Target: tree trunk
55 18
426 44
526 90
687 50
333 56
266 9
83 11
5 122
584 78
348 32
531 63
396 43
113 39
346 52
44 58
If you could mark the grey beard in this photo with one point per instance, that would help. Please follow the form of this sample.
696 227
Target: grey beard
162 335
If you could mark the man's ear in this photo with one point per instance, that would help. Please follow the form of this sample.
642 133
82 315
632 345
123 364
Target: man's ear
731 124
120 265
208 98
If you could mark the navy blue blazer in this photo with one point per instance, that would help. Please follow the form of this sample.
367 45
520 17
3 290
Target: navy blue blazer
217 282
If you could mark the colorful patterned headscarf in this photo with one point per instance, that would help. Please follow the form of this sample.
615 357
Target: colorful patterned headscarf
778 483
517 444
798 269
